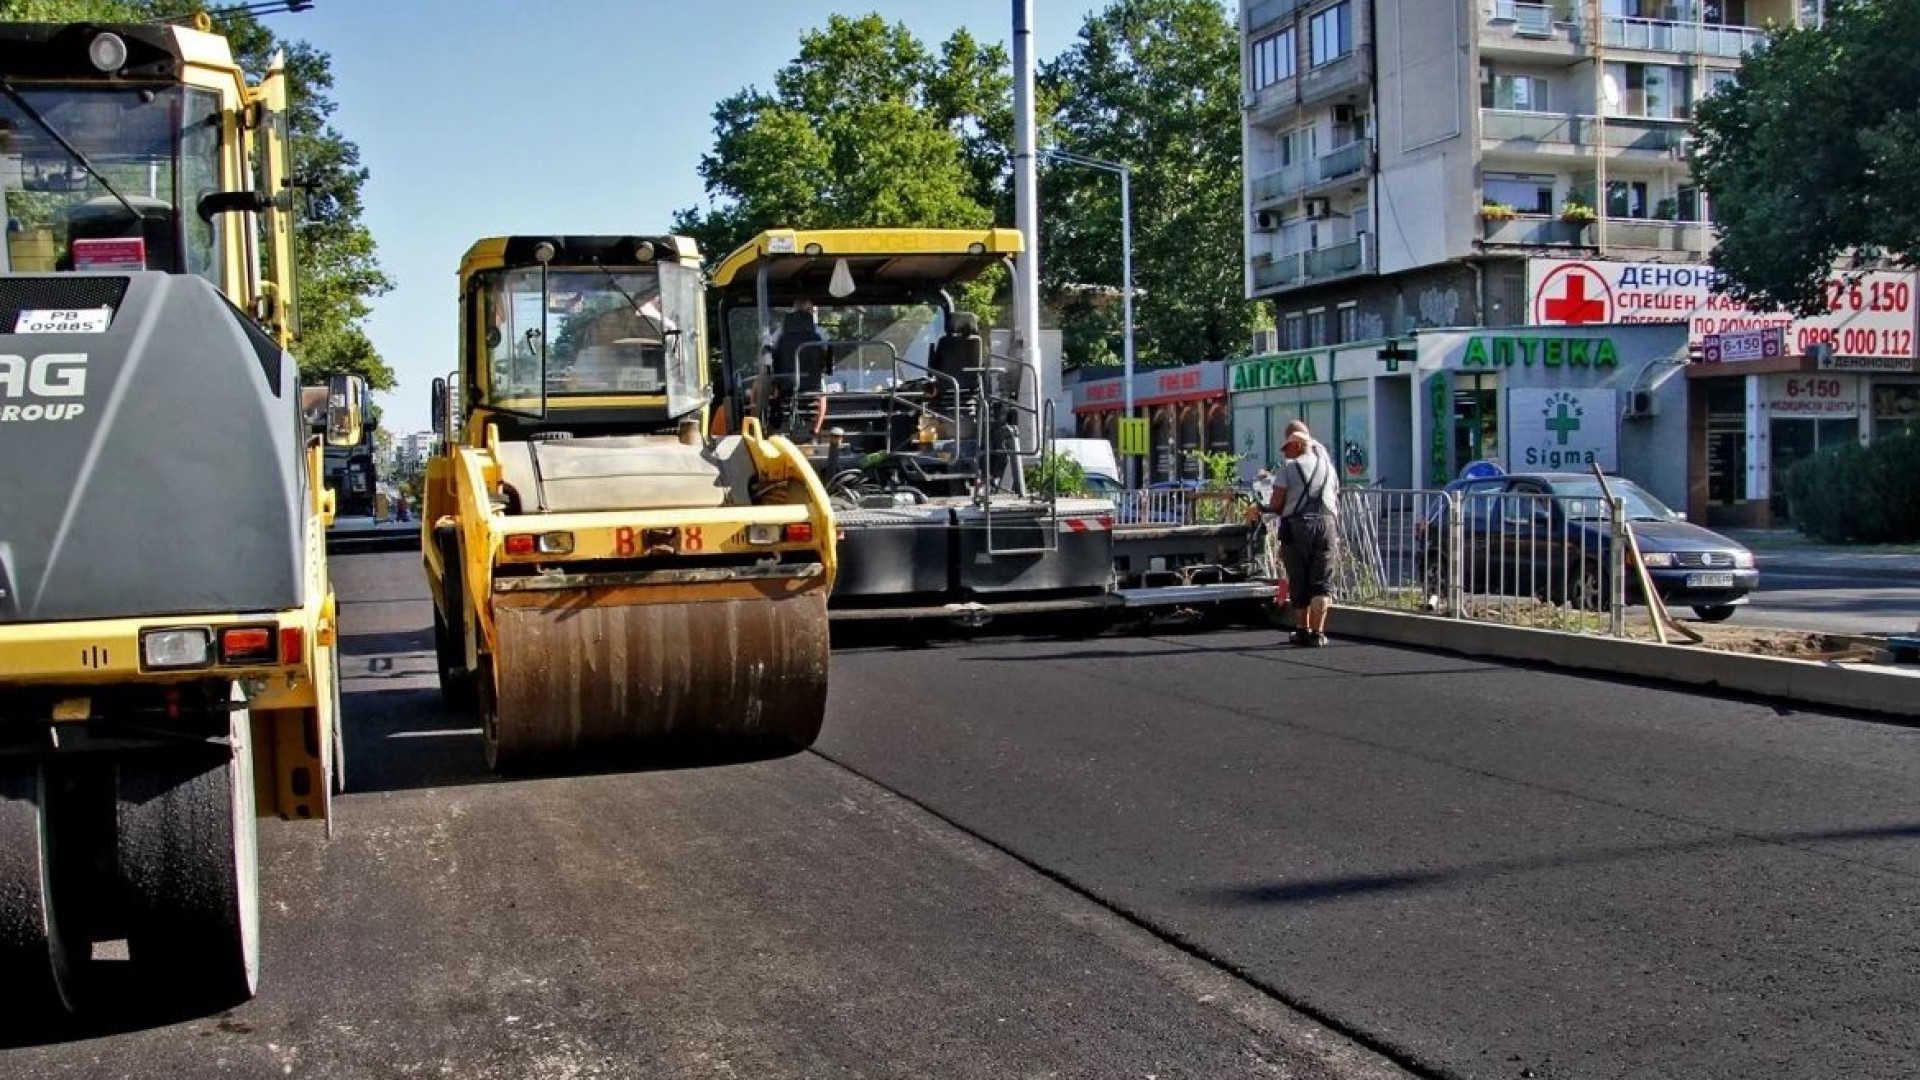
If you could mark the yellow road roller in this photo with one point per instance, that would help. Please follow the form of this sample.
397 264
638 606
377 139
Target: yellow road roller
168 642
611 582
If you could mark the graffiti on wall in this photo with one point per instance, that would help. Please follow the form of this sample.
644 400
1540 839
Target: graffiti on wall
1439 306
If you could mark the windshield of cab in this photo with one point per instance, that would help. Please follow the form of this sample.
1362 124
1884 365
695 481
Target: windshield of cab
846 348
159 148
579 333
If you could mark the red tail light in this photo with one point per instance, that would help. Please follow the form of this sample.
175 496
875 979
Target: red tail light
800 532
293 644
246 645
521 544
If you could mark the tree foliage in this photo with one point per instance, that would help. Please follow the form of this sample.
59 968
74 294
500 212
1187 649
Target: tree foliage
864 127
1153 84
335 257
1814 152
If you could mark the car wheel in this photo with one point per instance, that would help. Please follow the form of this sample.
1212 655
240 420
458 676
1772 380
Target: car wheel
1714 612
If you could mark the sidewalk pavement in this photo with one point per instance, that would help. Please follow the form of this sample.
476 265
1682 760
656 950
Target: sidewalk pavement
1785 551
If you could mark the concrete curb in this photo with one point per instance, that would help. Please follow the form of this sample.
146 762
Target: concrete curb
1861 573
1809 681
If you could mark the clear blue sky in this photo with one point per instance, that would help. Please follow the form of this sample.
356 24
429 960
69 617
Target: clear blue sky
489 117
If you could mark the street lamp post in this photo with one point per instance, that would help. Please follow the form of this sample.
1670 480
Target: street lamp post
1126 261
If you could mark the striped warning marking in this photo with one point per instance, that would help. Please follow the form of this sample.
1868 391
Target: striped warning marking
1097 523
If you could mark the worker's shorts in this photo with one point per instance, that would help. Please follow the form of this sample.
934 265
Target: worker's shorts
1309 558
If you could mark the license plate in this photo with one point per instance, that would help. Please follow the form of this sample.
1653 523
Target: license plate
1709 581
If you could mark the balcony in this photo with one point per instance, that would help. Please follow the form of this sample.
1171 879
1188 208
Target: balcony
1532 230
1659 35
1276 271
1279 186
1339 163
1531 30
1290 181
1340 260
1262 15
1505 131
1271 106
1335 77
1689 238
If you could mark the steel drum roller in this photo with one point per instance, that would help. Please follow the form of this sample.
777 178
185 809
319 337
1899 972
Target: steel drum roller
580 673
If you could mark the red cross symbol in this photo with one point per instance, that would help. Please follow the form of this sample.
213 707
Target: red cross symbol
1563 297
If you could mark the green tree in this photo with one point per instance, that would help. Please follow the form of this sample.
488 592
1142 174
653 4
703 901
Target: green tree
335 257
1813 152
864 127
1152 84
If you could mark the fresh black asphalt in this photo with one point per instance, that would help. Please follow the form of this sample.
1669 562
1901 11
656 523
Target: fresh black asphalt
1202 854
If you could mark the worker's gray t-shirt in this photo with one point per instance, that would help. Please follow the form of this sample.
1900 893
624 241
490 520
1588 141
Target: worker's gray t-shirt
1311 486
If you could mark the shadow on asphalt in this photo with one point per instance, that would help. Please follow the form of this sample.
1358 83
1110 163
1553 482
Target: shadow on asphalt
1315 890
116 1002
406 740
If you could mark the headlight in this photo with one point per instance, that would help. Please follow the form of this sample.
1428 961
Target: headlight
1657 559
1743 560
177 648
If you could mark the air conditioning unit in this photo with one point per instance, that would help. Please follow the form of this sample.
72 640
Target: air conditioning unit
1265 222
1682 148
1640 405
1319 209
1249 98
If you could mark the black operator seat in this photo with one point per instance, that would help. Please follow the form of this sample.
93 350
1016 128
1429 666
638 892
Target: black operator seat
960 349
796 329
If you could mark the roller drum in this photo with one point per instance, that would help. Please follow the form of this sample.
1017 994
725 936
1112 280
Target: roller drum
586 676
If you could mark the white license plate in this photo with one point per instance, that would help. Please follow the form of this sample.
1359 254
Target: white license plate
1709 581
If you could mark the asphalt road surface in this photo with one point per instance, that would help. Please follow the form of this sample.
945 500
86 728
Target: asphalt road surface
1847 605
1201 855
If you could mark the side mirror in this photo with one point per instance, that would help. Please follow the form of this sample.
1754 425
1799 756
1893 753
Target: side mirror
215 203
439 406
346 410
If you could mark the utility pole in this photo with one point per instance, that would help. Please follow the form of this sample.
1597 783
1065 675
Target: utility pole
1026 214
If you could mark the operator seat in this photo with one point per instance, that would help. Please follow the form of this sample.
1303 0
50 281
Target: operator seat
797 329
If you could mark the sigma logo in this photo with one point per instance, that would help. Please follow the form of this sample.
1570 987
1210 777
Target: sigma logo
26 382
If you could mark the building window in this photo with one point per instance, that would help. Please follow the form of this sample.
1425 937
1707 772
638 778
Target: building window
1273 58
1688 204
1896 408
1656 91
1296 331
1347 324
1521 93
1317 328
1295 146
1719 79
1627 199
1330 34
1528 194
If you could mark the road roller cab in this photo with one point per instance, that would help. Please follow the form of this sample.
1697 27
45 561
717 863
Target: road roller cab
168 663
609 579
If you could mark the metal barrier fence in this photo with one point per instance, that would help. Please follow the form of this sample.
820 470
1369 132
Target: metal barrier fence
1544 561
1162 507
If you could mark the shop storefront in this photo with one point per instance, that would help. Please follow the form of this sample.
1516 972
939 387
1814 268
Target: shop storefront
1186 408
1753 420
1527 399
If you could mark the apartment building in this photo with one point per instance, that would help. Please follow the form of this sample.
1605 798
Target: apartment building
1405 158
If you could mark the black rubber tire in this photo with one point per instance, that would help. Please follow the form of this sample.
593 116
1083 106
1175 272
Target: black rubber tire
41 966
1714 612
189 868
458 686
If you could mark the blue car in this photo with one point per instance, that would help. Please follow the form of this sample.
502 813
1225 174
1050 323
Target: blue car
1550 534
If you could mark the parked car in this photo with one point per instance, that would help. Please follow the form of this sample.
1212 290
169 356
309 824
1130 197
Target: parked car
1550 535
